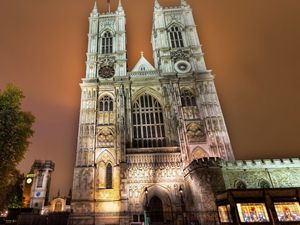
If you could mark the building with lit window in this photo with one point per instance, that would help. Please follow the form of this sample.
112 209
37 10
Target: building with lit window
152 142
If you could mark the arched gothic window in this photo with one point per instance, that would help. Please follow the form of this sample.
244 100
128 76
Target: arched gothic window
187 98
108 176
106 104
240 185
107 43
175 36
148 123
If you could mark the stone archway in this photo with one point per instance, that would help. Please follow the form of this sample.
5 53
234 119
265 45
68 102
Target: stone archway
159 205
156 211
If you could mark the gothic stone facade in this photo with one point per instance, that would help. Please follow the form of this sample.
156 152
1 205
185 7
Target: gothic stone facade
139 129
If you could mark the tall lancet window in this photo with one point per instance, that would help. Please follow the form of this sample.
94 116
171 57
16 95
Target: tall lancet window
107 43
187 98
106 104
108 176
106 107
148 123
175 36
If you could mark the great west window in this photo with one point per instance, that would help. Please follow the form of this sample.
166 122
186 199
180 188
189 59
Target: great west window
148 123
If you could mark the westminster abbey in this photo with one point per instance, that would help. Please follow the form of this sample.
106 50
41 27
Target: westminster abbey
143 132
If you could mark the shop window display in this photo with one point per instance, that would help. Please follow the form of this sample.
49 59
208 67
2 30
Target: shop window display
224 214
252 212
287 211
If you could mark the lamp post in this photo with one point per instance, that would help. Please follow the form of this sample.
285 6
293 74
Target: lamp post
146 208
182 205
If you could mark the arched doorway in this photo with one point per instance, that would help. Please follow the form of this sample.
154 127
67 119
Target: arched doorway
156 210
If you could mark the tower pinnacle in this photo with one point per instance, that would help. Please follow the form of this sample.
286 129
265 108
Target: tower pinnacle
183 2
120 7
95 9
156 4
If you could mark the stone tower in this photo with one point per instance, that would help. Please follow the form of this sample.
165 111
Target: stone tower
139 129
188 86
41 183
100 151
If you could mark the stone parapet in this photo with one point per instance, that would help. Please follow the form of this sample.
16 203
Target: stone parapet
263 163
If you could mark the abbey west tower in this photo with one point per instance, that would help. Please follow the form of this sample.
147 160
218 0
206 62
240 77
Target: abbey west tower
139 129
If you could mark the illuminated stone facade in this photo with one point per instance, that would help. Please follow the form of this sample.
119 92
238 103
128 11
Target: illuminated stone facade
139 129
152 142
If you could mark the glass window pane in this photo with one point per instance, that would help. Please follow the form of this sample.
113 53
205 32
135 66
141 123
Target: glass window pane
252 212
150 110
287 211
109 176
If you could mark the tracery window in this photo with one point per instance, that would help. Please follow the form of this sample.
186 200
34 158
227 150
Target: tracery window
108 176
106 107
107 43
187 98
148 123
175 36
106 104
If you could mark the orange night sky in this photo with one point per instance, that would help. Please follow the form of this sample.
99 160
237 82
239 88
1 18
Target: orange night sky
252 46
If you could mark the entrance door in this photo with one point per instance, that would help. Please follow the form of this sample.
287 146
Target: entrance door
156 210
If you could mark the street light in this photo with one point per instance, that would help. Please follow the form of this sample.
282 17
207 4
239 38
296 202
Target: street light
180 190
182 205
146 190
146 210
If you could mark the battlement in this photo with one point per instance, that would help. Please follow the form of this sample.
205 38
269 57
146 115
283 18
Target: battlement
243 164
263 163
43 165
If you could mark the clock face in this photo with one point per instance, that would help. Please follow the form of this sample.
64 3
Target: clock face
38 194
182 66
29 180
106 72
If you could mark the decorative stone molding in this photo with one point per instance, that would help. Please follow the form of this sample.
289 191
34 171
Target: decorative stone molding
195 132
180 54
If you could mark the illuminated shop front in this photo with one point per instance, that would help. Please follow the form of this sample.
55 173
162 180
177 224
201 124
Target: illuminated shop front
259 206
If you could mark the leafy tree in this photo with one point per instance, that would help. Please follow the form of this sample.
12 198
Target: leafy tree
15 131
14 197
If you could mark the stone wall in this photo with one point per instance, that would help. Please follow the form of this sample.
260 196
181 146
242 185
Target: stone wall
208 176
278 173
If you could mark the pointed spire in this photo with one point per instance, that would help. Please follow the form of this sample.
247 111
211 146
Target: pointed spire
120 7
183 2
157 5
95 9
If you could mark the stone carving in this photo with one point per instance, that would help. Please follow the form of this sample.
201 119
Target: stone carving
107 61
105 137
106 65
107 23
173 18
199 153
190 112
86 179
195 132
180 55
154 168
